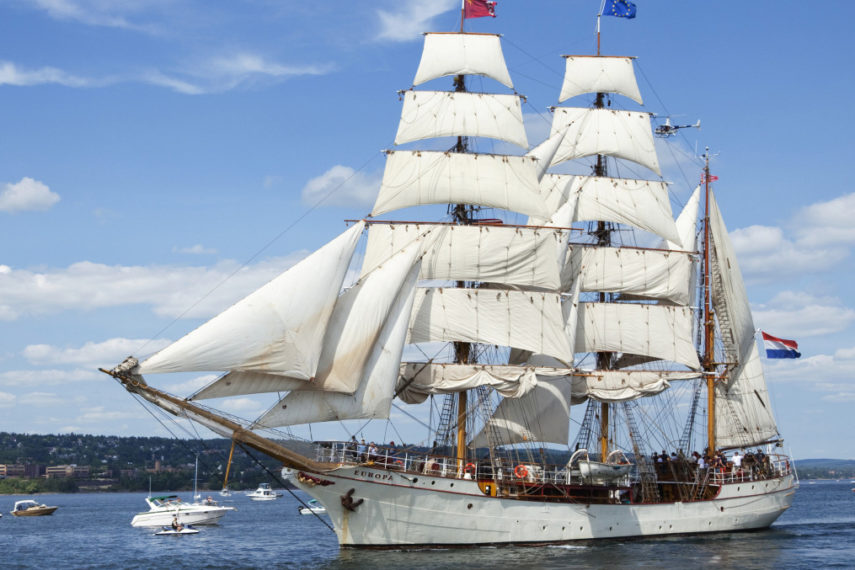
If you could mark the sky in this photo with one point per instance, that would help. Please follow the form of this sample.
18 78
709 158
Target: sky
159 159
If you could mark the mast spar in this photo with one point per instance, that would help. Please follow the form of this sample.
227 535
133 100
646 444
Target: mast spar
709 325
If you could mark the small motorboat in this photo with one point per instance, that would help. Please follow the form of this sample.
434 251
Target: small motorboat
313 506
169 531
30 508
264 493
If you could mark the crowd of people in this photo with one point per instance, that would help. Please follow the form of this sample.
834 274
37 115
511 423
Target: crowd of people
755 465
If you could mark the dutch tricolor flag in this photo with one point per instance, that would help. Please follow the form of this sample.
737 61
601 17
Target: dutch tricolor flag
779 347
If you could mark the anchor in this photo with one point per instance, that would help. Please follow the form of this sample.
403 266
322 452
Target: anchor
347 501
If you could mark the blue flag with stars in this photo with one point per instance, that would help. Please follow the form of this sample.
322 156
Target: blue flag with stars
619 8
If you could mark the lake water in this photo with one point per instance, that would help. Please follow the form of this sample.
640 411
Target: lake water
93 531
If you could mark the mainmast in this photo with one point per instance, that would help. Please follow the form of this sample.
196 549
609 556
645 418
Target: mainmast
709 324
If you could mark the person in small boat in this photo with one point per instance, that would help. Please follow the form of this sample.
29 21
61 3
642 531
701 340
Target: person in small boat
175 524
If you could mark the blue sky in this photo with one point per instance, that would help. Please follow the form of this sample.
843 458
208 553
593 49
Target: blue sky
150 149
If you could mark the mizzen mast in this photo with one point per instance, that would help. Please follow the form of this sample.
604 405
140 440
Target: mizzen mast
709 316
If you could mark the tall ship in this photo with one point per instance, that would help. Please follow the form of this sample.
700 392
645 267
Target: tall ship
585 363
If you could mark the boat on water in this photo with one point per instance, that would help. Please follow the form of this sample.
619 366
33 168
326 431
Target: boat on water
31 508
264 493
170 531
164 508
311 507
652 348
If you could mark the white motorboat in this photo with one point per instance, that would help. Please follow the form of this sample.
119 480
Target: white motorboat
162 510
312 507
30 508
264 493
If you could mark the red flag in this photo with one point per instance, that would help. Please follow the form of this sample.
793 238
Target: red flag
713 178
478 9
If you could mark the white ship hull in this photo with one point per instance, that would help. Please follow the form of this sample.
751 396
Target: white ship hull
406 510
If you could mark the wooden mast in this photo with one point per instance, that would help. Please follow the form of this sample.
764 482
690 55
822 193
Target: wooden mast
604 239
229 466
461 214
709 324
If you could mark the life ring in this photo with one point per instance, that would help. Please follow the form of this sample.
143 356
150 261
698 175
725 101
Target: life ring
470 468
521 471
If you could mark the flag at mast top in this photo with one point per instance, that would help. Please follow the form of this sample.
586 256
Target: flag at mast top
478 9
618 8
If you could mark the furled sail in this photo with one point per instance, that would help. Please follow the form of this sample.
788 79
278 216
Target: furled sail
414 178
625 385
421 379
599 74
664 332
520 319
640 203
648 273
525 257
447 54
373 397
431 114
277 329
622 134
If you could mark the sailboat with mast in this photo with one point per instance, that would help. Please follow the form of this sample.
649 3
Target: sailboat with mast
548 305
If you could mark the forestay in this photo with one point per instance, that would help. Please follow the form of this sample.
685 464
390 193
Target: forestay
622 134
527 320
414 178
447 54
277 329
525 257
599 74
431 114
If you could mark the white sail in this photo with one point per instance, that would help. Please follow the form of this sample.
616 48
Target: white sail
357 321
622 134
599 74
431 114
728 291
625 385
542 415
640 203
421 379
664 332
528 320
245 383
687 224
648 273
447 54
414 178
742 406
373 397
524 257
544 153
277 329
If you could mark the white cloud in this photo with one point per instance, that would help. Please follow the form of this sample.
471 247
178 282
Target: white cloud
91 354
411 19
172 291
39 399
11 74
46 377
98 12
828 222
99 414
245 407
792 313
193 385
197 249
765 253
26 195
6 400
342 186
